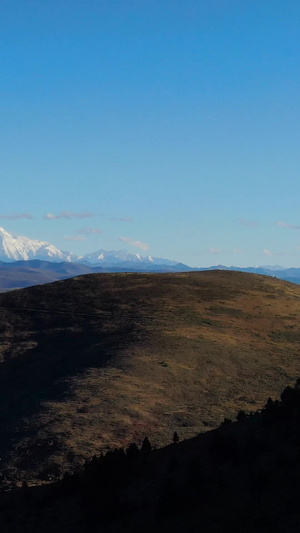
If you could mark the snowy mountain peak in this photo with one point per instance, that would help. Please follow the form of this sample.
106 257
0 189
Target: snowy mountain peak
115 257
21 248
17 248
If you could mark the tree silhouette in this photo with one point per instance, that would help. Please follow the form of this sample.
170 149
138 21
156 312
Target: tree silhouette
146 446
175 437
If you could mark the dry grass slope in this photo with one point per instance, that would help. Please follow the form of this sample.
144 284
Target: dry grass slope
101 360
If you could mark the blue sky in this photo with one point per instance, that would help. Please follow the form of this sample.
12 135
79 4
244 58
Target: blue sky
169 128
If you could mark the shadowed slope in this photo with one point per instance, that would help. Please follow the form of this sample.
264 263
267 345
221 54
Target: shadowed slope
243 476
102 360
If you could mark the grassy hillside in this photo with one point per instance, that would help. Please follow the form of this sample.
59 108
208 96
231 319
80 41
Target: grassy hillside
98 361
243 476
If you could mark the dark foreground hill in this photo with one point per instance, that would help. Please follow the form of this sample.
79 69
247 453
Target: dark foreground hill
95 362
243 477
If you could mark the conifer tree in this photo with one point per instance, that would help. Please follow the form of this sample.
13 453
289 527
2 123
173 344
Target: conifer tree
175 437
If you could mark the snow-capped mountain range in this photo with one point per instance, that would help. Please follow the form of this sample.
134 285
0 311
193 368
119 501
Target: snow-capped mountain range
19 248
25 262
115 257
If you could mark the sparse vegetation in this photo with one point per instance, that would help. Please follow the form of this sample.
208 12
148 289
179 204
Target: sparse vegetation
96 362
245 472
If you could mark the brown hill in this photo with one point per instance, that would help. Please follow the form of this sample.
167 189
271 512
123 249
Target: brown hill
102 360
243 477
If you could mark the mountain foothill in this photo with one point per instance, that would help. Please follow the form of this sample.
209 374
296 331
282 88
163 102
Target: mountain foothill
195 361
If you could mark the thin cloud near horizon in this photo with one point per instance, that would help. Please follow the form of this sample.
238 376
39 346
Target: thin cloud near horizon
248 223
126 219
89 231
136 244
269 253
121 219
68 215
15 216
286 225
74 238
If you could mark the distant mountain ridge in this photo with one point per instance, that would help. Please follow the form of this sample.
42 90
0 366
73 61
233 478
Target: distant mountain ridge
25 262
291 274
116 257
21 274
21 248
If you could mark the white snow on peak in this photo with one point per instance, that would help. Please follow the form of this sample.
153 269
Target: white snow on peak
21 248
117 257
18 248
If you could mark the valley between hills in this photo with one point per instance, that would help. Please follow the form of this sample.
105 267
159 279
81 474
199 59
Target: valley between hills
95 362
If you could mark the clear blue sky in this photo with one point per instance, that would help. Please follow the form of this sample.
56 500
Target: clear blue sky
169 127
